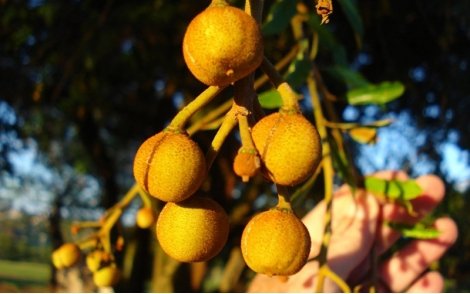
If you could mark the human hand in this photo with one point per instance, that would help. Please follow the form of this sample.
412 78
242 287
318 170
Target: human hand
358 228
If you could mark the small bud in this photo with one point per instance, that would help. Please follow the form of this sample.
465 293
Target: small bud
246 164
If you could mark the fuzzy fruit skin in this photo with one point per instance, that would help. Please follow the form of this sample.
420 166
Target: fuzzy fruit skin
106 277
275 242
66 255
289 146
170 166
145 217
193 230
222 44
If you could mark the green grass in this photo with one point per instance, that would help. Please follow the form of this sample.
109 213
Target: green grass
25 271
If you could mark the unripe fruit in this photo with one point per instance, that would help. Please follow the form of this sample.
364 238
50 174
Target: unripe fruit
192 230
169 166
222 44
289 146
145 217
275 242
246 164
66 255
107 276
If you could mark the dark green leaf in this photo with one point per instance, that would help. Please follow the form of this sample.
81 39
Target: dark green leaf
270 99
417 231
279 17
298 72
352 78
393 189
375 94
352 14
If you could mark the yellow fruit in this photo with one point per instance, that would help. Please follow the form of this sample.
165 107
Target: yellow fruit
169 166
246 164
275 242
192 230
222 44
107 276
96 258
289 146
145 217
66 255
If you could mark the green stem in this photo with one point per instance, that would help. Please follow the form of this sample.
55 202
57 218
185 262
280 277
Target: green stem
255 9
288 95
180 119
327 272
283 196
328 173
230 121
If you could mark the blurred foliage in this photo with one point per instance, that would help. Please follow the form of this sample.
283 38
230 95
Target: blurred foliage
90 80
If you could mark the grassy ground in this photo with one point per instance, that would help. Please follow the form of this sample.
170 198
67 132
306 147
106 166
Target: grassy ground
19 276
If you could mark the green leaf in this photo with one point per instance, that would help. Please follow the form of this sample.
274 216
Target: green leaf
352 78
393 189
298 72
353 16
279 17
375 94
417 231
270 99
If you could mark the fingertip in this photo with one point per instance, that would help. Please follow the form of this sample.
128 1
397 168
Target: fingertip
431 282
432 186
448 229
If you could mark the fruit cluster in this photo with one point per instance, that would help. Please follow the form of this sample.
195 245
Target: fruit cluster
222 46
99 262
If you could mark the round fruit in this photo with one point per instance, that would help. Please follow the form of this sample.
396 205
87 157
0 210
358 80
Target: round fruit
107 276
66 255
222 44
192 230
145 217
275 242
169 166
289 146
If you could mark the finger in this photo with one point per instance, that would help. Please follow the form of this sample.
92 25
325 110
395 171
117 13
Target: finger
406 265
430 282
433 192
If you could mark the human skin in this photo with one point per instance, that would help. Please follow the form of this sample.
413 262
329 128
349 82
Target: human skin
358 229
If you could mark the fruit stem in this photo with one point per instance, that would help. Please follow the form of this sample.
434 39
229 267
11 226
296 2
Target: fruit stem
218 3
289 97
283 197
327 272
147 202
328 174
223 108
243 102
255 9
229 122
180 119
